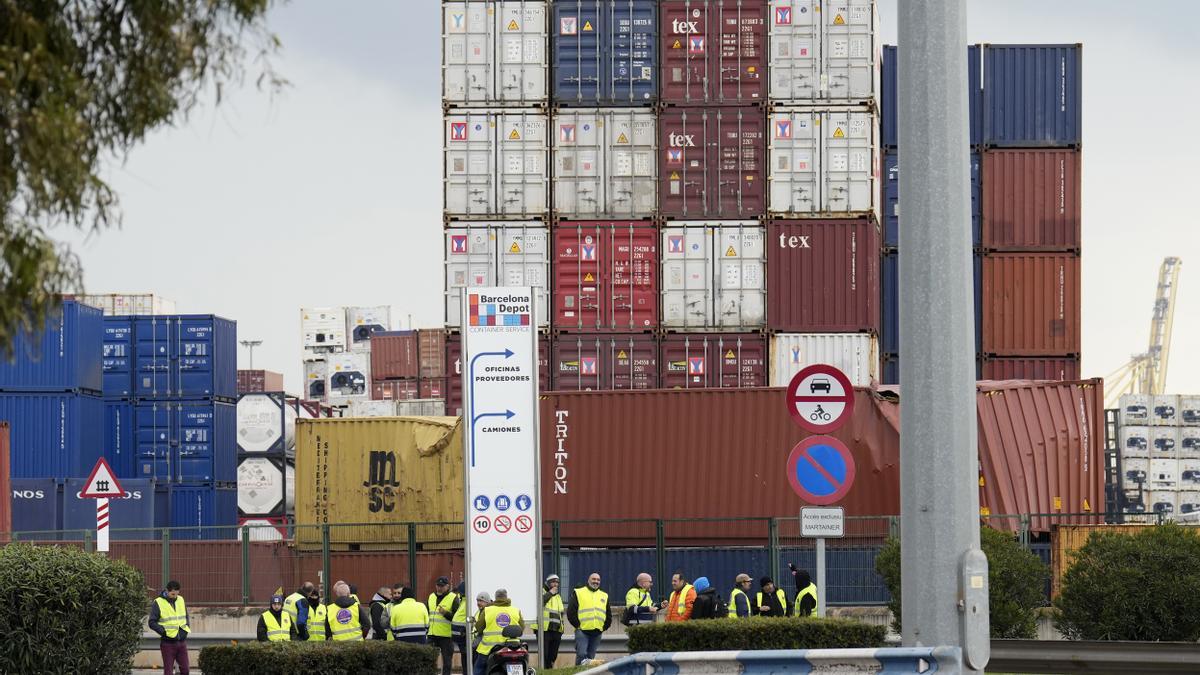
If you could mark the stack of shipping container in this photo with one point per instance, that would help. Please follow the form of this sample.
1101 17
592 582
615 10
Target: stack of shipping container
1025 136
1160 454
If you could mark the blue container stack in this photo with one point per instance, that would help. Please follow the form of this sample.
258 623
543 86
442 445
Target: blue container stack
170 383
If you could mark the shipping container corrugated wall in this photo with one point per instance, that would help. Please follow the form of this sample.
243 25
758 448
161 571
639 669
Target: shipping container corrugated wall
252 381
186 441
1032 95
117 362
889 331
494 52
713 275
394 354
714 361
185 356
65 355
998 368
604 362
891 199
495 164
855 354
714 52
1031 304
604 52
889 94
605 163
713 162
120 447
203 511
823 276
824 52
605 276
824 162
1033 200
53 435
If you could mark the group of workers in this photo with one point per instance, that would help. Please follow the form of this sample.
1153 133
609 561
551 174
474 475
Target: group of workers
395 614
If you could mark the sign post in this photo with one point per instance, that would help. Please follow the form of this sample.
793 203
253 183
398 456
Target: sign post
821 469
500 443
101 485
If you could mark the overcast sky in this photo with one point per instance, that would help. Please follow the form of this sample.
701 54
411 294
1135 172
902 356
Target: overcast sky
331 193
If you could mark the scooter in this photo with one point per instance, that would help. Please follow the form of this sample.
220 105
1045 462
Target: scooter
509 657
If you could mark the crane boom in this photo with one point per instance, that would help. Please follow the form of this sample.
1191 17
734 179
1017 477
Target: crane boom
1146 373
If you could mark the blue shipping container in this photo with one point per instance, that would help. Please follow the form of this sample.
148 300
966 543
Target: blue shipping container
64 356
118 359
891 368
119 448
605 52
891 199
1033 96
185 356
209 510
186 441
888 85
36 506
889 334
53 435
137 510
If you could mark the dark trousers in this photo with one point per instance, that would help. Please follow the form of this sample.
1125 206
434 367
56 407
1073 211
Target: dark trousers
551 639
461 643
445 645
174 653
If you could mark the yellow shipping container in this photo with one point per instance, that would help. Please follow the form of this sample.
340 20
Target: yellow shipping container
376 473
1068 539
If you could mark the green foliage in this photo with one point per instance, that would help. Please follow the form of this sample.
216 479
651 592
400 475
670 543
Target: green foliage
82 83
329 658
66 611
1144 586
754 633
1016 583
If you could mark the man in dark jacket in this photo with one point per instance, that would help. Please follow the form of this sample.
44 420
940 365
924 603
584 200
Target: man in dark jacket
770 601
458 623
706 600
591 615
380 621
169 618
282 630
806 593
551 623
343 600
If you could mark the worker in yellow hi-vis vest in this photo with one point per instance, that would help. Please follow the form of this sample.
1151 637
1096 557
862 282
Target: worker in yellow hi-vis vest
168 618
275 624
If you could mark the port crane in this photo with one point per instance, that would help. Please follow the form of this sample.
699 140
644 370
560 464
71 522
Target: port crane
1146 373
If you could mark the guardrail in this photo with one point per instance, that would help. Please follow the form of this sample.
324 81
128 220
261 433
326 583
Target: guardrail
888 660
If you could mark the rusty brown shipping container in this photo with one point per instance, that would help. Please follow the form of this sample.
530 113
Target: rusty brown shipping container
396 390
1001 368
252 381
712 162
714 52
454 370
5 484
823 276
1031 200
395 354
1031 304
604 362
713 361
432 387
431 353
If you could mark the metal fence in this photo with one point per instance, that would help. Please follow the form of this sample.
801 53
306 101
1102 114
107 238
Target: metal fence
231 566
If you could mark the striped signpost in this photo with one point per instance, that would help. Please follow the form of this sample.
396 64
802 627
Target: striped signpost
101 485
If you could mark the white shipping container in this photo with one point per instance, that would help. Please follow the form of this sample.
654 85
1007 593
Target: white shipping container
1163 442
605 162
1164 411
496 164
1164 474
1135 473
1135 442
1189 443
855 354
421 407
1189 506
314 381
1189 411
497 254
323 329
1162 501
262 529
129 304
265 423
1135 410
1189 474
494 52
822 52
372 409
264 489
348 377
361 322
713 274
824 162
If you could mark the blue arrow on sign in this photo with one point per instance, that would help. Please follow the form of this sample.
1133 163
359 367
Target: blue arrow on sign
507 414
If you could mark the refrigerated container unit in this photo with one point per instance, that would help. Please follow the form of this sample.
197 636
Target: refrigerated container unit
712 162
127 304
713 52
205 511
63 356
605 276
1031 304
1134 410
266 486
889 330
364 322
1032 200
604 362
1033 95
889 102
52 435
454 370
322 330
186 441
185 356
605 162
604 52
252 381
713 361
347 377
266 425
891 200
1189 411
824 162
494 53
823 276
1164 442
314 380
824 52
1135 442
497 253
855 354
714 275
1164 410
496 164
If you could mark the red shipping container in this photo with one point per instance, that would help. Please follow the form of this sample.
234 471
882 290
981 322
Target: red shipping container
719 360
431 353
1000 368
1031 304
1032 200
454 370
395 354
586 362
713 162
605 276
432 387
823 276
395 390
251 381
713 51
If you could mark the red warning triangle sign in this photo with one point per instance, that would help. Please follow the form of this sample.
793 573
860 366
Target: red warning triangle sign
101 483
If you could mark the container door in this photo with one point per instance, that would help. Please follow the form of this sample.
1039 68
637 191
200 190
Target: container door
577 277
576 363
687 299
195 358
632 277
684 173
119 448
740 257
737 152
848 51
578 187
578 64
686 52
118 357
470 187
686 362
632 362
521 27
470 261
152 424
524 260
795 65
740 360
848 162
522 174
632 29
630 169
741 62
467 52
153 360
794 168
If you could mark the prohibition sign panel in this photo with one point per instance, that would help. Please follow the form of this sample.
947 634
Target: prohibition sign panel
820 398
821 470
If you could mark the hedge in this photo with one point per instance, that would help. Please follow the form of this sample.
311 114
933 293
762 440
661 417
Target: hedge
323 658
66 611
754 633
